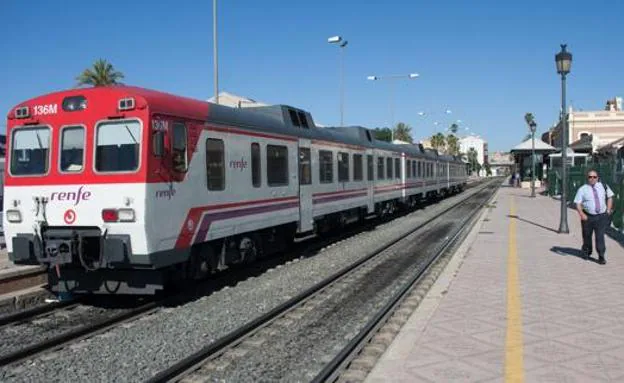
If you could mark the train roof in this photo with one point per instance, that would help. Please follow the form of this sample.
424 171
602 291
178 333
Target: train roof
278 119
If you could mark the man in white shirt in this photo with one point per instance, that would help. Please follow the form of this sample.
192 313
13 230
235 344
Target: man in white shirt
594 203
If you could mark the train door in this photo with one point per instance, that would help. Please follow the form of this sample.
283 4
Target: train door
306 220
370 180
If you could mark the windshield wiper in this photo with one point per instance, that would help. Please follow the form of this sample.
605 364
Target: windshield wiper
131 135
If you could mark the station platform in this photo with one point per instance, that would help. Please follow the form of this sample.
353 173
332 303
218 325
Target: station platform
517 302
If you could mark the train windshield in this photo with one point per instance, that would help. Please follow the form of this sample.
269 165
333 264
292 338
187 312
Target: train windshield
30 151
117 146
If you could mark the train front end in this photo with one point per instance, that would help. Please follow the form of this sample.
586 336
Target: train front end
75 188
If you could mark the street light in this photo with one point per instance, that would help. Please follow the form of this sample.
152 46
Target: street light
532 127
564 62
215 52
342 44
409 76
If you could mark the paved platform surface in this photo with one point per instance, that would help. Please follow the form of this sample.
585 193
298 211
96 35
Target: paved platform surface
520 304
9 270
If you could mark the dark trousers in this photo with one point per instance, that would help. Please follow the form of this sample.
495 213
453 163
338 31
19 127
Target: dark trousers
598 224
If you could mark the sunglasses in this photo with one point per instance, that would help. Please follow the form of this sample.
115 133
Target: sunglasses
592 176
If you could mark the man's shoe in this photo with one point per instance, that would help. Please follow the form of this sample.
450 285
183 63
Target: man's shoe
602 261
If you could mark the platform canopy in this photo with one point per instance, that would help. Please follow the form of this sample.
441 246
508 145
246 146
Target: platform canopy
540 147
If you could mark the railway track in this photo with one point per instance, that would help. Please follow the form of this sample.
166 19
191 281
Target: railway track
22 279
242 351
56 325
55 336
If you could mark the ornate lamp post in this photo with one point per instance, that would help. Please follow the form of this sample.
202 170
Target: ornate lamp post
564 62
532 127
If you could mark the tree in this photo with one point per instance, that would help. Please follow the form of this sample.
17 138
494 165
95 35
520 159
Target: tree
438 142
383 134
454 128
528 118
101 74
402 132
473 162
452 145
488 169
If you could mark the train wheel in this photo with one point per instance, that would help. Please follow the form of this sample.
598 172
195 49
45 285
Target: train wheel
200 262
249 248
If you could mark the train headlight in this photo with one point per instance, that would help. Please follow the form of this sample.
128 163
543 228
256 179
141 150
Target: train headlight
14 216
118 215
125 215
22 112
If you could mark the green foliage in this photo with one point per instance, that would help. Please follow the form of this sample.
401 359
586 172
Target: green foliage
452 145
383 134
101 74
438 142
454 128
473 162
488 169
402 132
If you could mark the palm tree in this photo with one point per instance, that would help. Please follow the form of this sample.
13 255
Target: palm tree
402 132
473 161
102 74
454 128
528 117
452 145
438 142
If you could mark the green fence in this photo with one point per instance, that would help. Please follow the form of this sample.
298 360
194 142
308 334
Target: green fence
576 178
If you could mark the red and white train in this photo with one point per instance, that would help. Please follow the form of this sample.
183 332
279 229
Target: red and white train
120 189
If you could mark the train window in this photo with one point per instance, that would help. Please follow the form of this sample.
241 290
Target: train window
380 168
29 151
158 143
418 173
326 166
72 149
343 167
358 171
277 165
117 146
178 147
256 178
413 169
408 168
389 168
294 118
305 166
397 168
370 169
303 120
215 164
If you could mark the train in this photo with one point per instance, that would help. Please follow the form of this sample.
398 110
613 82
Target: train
122 190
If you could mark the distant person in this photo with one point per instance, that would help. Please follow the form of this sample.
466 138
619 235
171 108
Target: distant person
594 203
517 179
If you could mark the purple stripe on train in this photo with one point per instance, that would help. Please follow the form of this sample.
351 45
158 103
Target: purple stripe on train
209 218
320 200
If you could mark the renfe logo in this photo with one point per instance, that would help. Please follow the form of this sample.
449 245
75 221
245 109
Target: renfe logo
75 197
235 164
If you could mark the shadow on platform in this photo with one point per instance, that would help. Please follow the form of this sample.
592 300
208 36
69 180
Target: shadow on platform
532 223
567 251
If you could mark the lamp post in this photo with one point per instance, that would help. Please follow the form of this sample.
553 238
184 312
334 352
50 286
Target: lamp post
215 52
532 127
563 60
342 44
393 77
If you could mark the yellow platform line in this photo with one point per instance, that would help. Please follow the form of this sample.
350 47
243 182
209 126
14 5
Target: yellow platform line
514 364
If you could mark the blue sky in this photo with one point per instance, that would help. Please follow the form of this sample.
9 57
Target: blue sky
487 61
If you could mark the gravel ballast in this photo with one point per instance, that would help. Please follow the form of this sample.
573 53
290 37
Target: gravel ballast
138 350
